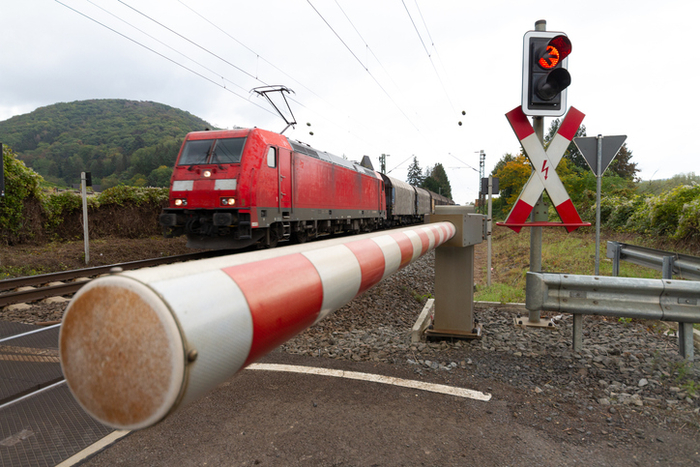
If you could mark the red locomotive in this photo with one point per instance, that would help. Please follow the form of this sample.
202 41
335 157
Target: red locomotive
235 188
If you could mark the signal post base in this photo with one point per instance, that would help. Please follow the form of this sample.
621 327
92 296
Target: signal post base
523 321
448 333
454 274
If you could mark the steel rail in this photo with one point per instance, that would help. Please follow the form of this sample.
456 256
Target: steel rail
68 288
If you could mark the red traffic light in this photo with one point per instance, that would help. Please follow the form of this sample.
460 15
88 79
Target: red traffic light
545 74
556 50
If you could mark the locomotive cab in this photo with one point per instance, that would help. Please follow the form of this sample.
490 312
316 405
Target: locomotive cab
204 196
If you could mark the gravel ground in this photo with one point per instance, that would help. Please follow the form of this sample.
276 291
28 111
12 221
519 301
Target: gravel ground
629 373
633 363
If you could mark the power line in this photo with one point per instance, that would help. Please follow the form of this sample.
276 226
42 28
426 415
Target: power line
363 66
449 100
278 69
160 54
469 166
250 50
365 42
370 49
165 45
194 43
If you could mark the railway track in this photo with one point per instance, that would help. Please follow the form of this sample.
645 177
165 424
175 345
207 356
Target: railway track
33 288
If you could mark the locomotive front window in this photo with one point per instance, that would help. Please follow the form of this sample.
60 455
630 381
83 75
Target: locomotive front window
227 151
212 151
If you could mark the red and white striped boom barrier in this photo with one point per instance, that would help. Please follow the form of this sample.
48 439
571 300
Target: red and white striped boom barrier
136 345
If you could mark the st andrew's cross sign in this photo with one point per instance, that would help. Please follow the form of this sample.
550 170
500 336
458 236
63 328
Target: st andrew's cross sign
544 176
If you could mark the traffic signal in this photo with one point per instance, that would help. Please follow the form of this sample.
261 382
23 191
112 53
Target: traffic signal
545 74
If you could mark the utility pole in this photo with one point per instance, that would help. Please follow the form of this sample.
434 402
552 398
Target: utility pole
382 163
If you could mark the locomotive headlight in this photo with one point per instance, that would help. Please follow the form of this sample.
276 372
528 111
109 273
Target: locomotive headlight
180 202
207 173
228 201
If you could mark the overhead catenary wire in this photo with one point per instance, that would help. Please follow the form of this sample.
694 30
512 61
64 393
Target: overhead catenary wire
379 62
363 66
171 48
165 45
194 43
365 42
199 73
260 57
161 55
249 49
437 74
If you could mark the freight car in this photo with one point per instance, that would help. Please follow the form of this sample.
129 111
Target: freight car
235 188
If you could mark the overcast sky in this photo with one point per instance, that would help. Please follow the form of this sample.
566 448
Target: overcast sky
371 77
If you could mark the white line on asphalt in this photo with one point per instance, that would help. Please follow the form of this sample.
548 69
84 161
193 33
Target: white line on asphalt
406 383
93 448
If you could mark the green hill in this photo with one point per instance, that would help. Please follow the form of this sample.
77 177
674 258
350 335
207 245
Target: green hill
119 141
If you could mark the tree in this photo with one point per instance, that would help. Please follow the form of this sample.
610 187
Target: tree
512 176
160 177
572 153
622 166
436 181
415 174
507 157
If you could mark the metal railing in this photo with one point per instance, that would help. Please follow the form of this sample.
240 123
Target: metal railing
670 264
625 297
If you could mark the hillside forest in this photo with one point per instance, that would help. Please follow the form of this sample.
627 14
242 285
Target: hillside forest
119 141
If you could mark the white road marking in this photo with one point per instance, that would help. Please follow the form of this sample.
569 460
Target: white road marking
93 448
406 383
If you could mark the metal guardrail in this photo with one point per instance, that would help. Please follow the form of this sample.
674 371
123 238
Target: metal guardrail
657 299
670 264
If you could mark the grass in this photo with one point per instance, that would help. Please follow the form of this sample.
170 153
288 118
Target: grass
501 293
572 253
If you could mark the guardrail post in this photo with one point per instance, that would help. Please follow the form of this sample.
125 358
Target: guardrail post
685 341
667 267
613 252
454 273
578 332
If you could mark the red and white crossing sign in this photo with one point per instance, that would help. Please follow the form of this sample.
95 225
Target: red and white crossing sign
544 176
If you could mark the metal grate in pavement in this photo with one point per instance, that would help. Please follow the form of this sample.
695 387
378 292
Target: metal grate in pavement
9 328
28 363
45 429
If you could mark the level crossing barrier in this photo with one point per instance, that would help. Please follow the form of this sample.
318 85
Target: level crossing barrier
136 345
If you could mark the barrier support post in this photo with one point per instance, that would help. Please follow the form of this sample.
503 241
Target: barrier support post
454 274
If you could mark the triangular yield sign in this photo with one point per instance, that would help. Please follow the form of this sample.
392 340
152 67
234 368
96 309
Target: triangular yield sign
589 148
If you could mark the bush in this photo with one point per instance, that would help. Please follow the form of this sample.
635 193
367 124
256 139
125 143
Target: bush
122 195
667 208
58 205
22 193
689 222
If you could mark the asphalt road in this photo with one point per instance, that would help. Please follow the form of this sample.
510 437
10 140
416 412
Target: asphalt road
278 418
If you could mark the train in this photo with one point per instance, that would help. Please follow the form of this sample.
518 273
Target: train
232 189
